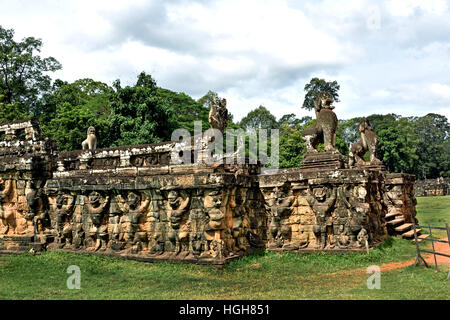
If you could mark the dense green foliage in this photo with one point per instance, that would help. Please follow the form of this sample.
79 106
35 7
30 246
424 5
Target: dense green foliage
22 72
138 114
145 113
72 108
260 118
317 85
417 145
185 110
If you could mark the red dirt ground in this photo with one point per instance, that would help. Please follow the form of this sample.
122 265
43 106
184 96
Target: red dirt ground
429 258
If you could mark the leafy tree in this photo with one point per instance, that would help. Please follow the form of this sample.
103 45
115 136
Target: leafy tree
10 112
72 108
260 118
341 145
317 85
348 130
184 109
378 121
138 114
70 125
397 145
444 159
292 121
80 92
292 147
433 132
205 101
22 72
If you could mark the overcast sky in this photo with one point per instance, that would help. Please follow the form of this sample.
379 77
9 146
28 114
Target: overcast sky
387 56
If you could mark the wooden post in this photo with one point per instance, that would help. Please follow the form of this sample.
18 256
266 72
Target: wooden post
419 256
432 244
448 234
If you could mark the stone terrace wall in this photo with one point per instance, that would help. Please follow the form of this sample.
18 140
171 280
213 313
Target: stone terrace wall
26 160
128 201
156 210
432 187
333 210
133 202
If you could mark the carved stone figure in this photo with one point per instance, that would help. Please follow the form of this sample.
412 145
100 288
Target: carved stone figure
213 205
132 210
240 223
363 238
37 208
90 143
322 200
62 214
114 227
96 208
218 114
177 207
5 213
324 129
368 142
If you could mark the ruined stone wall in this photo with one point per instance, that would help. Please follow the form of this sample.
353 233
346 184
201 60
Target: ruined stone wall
432 187
186 212
27 160
323 209
127 201
133 202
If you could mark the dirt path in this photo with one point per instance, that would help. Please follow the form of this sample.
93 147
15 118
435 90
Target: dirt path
442 248
429 258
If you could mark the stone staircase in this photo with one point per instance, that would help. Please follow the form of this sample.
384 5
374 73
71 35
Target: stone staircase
397 225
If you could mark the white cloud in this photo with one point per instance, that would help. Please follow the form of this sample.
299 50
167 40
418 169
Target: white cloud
389 56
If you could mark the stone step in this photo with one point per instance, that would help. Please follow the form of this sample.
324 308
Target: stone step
422 236
404 227
396 221
392 214
410 233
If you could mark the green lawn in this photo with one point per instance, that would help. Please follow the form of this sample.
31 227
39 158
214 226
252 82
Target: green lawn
261 276
434 211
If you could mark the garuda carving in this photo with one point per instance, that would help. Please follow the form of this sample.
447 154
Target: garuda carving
5 214
61 213
133 210
324 129
322 200
178 206
96 205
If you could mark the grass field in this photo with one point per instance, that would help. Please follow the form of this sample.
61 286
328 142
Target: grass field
264 275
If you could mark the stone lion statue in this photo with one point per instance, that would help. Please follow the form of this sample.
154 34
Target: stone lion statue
368 142
324 129
218 114
91 140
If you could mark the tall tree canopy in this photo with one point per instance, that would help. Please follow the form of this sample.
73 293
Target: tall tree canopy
259 118
184 109
22 72
138 114
317 85
72 108
433 131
